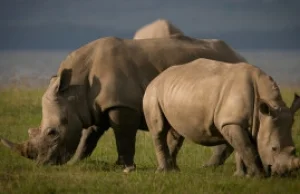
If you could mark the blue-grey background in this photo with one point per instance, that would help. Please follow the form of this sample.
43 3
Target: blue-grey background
35 35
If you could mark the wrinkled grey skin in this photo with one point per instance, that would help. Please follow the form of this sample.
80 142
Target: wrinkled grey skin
212 103
102 85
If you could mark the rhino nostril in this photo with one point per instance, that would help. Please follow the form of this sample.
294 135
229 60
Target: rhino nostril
275 149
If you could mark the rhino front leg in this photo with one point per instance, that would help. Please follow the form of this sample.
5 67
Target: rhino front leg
240 141
240 166
220 154
88 142
174 141
125 123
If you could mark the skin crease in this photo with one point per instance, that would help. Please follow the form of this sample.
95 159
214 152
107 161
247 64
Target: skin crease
244 106
91 89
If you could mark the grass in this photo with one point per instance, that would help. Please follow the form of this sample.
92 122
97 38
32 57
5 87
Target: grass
20 109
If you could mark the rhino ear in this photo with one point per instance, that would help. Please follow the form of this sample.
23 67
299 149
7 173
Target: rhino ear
65 80
53 79
266 109
62 82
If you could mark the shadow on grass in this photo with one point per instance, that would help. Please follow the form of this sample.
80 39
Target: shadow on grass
96 165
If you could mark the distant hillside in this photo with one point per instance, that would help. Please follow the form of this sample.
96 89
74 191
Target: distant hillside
69 36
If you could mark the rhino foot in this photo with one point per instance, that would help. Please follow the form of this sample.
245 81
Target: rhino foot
240 173
72 162
129 169
208 165
162 170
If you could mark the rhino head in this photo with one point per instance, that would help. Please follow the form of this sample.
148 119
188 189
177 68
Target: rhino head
64 114
274 139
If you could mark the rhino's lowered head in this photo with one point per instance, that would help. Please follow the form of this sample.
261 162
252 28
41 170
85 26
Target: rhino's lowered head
274 139
60 130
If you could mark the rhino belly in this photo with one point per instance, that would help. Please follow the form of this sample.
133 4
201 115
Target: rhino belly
194 127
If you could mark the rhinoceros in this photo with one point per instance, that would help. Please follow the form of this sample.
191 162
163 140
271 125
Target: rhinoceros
211 103
160 28
102 84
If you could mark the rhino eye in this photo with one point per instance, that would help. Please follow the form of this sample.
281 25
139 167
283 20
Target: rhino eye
52 131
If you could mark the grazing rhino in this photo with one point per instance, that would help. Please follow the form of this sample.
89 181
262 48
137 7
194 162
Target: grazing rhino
212 103
160 28
102 84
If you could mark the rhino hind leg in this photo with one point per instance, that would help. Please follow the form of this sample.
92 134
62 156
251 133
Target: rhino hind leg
162 151
88 143
240 141
220 154
161 133
174 142
124 123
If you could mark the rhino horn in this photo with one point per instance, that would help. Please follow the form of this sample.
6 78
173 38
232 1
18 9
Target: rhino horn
19 148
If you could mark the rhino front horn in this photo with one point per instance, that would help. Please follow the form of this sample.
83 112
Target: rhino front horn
19 148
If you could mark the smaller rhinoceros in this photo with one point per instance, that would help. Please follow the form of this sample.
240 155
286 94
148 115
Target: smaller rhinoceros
212 103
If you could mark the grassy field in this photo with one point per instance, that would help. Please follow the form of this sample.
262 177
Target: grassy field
20 109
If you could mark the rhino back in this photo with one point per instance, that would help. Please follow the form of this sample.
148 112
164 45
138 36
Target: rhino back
205 95
125 68
116 72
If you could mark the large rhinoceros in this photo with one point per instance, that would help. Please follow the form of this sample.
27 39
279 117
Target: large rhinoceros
160 28
212 103
102 84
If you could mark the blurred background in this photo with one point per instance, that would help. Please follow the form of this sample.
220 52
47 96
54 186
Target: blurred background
36 35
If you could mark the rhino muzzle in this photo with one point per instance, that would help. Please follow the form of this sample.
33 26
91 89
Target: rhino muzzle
283 169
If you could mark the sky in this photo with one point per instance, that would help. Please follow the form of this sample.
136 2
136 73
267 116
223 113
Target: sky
68 24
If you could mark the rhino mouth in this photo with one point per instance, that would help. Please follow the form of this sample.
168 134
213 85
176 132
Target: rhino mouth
268 170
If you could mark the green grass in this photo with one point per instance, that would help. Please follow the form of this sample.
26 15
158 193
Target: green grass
21 109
